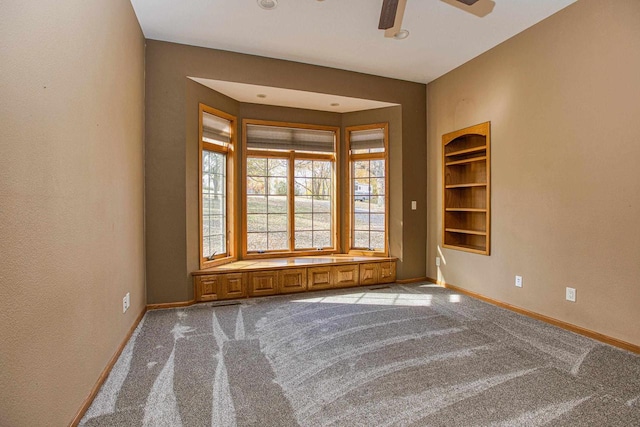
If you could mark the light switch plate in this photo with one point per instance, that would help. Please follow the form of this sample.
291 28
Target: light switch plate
414 205
519 281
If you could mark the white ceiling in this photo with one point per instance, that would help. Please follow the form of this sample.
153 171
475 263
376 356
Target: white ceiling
344 33
290 98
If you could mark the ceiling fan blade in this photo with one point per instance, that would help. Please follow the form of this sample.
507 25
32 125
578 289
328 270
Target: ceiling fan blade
479 8
388 14
397 25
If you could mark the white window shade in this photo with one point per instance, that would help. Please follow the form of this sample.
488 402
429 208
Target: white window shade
215 129
368 139
290 139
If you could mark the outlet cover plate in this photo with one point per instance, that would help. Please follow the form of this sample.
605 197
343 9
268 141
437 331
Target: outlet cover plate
437 261
519 281
571 294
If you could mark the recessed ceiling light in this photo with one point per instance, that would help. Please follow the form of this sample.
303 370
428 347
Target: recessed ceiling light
268 4
261 95
334 104
401 35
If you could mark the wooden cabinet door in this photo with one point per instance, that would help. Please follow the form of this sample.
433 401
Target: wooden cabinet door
234 286
319 278
263 283
387 272
345 275
207 287
369 273
292 280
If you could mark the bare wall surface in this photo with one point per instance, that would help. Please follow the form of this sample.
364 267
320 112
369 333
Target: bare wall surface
167 201
71 200
562 98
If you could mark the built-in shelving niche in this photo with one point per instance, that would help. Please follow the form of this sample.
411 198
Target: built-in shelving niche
467 189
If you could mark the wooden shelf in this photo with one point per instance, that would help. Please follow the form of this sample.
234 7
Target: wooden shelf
465 161
466 178
469 185
461 231
466 210
466 151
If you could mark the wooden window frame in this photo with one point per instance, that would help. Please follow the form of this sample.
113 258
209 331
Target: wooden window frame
367 156
229 151
292 156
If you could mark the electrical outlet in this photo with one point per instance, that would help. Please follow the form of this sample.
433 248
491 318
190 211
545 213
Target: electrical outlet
414 205
126 301
571 294
519 281
437 261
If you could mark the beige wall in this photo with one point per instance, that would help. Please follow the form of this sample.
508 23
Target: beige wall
71 200
564 100
171 99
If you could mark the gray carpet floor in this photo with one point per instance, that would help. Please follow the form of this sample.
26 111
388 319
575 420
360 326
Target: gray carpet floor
403 355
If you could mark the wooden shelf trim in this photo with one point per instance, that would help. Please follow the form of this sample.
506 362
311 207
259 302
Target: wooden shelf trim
462 231
468 185
466 151
465 161
466 210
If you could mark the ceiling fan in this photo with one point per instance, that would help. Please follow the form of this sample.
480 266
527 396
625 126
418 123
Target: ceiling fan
393 11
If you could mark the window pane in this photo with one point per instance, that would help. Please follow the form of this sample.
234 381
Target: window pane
256 204
361 239
377 222
377 168
256 185
277 186
256 222
377 187
322 169
304 239
361 221
277 204
303 187
377 204
278 241
303 168
256 242
277 222
213 224
322 204
256 167
377 240
278 167
303 204
321 239
321 187
322 222
304 222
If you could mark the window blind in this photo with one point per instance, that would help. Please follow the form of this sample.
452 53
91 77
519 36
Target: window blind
215 129
295 139
367 139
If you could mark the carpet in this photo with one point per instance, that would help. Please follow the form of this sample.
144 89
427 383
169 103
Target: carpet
402 355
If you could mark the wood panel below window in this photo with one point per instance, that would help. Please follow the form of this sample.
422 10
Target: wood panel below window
282 276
